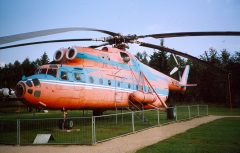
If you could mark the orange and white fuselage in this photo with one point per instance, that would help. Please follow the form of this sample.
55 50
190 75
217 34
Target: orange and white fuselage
86 78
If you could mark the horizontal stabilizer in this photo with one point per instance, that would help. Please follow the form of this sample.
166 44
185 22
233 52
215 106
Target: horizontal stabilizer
188 85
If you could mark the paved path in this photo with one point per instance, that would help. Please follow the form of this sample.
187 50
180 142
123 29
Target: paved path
125 144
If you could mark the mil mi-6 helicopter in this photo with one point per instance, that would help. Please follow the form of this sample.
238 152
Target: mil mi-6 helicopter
101 79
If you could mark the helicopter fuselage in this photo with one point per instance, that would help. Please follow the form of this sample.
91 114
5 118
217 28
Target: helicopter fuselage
87 78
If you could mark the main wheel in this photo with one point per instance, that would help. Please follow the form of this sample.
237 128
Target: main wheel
171 112
67 124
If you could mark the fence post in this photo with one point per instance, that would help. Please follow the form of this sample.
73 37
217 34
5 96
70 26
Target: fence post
176 113
198 110
93 130
18 132
207 109
133 128
189 113
158 116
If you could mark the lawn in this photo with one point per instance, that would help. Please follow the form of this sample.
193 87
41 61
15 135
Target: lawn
220 136
106 127
221 110
41 123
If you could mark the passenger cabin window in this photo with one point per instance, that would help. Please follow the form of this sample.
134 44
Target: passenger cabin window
125 57
52 72
101 81
109 82
77 76
129 85
91 80
119 84
64 75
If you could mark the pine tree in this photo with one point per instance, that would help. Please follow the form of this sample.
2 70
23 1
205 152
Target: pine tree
159 60
44 59
142 57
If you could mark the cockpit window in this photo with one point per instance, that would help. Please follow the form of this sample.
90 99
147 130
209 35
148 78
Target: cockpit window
64 75
52 72
125 57
41 71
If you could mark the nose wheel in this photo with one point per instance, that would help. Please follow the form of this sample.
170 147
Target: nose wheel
65 124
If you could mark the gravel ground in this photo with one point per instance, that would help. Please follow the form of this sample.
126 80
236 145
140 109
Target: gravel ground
124 144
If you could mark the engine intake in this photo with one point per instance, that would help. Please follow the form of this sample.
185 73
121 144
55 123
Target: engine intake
71 53
58 55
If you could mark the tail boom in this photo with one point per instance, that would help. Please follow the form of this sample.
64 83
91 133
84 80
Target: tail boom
182 84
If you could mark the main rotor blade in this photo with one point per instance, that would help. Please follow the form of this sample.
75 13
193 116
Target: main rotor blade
96 46
28 35
180 54
49 41
185 34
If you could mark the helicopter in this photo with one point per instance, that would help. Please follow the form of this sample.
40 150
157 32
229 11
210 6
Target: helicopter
102 79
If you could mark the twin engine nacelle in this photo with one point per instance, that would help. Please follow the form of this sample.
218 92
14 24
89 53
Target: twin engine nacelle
62 54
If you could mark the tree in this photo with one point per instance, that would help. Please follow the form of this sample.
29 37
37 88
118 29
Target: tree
28 67
38 62
159 60
44 59
234 69
142 57
236 57
211 56
225 58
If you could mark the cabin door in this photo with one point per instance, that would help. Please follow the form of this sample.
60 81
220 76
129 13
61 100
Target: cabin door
119 94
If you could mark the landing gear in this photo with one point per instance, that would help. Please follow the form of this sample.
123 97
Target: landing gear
171 112
65 124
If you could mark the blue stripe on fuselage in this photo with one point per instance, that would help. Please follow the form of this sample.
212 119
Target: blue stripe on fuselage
101 60
123 85
136 67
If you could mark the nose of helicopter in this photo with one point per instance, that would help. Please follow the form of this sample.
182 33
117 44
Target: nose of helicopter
20 89
28 86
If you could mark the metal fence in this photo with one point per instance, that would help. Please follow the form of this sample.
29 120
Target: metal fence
91 130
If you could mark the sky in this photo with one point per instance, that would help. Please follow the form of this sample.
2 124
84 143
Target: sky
124 16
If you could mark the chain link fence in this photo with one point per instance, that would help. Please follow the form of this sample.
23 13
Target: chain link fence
91 130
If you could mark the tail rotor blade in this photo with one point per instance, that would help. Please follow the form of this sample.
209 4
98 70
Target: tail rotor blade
174 57
174 70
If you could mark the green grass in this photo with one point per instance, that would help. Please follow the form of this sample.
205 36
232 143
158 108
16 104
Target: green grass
41 115
221 110
220 136
81 133
106 127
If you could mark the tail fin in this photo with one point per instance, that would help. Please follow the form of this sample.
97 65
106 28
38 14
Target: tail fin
184 79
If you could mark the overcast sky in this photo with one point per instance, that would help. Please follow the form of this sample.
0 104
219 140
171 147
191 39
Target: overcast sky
124 16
